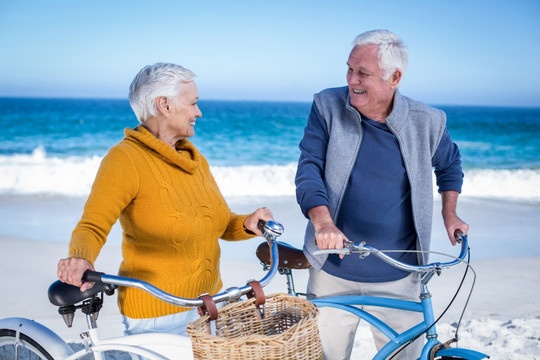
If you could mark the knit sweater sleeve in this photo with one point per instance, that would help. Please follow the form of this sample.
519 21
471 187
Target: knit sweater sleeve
113 189
235 227
236 230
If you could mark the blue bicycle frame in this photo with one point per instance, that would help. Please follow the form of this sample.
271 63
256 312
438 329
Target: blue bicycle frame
350 303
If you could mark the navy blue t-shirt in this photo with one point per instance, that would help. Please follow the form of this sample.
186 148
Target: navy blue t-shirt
376 209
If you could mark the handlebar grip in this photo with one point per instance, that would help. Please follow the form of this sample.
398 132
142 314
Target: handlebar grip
260 225
92 276
458 234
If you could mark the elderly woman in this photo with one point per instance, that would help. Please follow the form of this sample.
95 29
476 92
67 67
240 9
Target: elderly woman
169 205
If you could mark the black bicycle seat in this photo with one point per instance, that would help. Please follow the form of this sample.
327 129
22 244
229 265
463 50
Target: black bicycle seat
62 294
289 256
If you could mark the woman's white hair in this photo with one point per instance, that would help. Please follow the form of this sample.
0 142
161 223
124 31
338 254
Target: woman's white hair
153 81
392 53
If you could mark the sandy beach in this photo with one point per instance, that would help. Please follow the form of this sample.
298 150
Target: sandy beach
502 319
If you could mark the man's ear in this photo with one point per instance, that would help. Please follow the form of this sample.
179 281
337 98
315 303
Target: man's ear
395 78
163 105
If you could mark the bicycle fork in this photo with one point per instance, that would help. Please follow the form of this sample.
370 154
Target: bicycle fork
429 318
433 345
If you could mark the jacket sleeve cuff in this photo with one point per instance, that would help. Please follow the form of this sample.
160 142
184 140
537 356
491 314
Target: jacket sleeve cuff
311 202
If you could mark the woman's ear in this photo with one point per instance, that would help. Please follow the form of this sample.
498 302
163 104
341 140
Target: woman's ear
163 105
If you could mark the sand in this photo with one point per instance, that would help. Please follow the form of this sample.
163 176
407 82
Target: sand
502 319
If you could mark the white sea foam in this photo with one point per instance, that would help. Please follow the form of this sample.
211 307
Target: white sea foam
521 184
39 173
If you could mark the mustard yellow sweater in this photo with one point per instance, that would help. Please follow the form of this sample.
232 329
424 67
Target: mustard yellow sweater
172 215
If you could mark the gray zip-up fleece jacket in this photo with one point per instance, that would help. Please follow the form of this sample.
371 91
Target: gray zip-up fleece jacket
418 129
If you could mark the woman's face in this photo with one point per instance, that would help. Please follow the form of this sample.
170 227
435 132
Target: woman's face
184 111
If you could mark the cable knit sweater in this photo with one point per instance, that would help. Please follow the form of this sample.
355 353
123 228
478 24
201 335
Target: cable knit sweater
172 215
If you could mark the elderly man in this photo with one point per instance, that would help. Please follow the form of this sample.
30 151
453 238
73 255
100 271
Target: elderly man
365 174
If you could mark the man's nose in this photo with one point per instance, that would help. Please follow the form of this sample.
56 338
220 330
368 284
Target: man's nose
353 78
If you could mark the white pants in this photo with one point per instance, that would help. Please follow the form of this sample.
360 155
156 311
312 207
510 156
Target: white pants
338 328
172 324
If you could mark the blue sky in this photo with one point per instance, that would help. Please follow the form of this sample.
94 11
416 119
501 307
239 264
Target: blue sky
461 52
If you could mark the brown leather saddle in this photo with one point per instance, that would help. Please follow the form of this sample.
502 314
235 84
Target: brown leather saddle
289 256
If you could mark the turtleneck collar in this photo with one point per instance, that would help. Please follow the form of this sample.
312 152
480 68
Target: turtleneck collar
186 156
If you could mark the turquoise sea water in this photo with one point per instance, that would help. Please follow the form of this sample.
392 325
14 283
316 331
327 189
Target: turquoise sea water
55 145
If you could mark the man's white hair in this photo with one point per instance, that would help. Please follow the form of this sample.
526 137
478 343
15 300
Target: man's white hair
393 53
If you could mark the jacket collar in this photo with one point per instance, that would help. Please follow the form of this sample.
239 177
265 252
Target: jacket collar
399 113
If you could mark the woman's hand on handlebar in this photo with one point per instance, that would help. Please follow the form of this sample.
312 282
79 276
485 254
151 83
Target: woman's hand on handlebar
71 270
252 220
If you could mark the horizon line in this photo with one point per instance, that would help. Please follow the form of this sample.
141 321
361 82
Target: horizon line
250 100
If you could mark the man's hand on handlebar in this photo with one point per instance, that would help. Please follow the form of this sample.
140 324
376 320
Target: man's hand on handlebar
328 236
453 223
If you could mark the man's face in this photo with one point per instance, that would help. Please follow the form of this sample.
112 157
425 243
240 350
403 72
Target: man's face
368 92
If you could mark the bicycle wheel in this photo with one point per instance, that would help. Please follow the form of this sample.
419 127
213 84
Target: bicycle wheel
25 348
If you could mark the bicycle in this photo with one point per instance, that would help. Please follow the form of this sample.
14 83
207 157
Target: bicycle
37 341
22 338
291 258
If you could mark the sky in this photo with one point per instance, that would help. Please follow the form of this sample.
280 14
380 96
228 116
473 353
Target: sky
461 52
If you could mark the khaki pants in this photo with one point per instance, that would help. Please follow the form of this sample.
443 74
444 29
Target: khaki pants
338 328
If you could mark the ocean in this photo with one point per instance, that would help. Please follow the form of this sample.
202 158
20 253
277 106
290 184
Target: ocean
53 147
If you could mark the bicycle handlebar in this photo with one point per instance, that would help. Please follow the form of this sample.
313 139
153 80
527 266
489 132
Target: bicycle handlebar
364 250
270 230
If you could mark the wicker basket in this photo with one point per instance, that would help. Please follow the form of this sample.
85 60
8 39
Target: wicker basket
285 327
